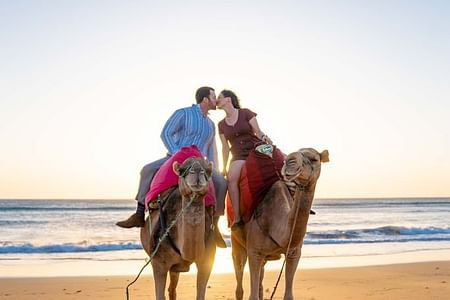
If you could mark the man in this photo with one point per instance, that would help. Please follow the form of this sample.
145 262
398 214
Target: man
187 126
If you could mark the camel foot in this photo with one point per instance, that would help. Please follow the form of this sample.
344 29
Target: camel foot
219 239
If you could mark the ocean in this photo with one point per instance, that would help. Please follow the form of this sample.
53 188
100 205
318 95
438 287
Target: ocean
78 237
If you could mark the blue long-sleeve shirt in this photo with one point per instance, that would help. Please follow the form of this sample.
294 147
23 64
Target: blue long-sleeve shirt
189 126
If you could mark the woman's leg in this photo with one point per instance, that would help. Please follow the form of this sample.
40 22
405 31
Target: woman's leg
234 174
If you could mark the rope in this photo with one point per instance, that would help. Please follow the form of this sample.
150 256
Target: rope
287 251
161 239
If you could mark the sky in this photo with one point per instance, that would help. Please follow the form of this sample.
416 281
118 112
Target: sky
86 87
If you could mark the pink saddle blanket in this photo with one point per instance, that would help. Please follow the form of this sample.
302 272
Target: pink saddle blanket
166 178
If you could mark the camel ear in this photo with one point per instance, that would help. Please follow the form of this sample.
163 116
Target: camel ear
324 156
176 168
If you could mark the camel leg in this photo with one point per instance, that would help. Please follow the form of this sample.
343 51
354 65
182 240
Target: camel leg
204 267
291 267
174 276
261 278
160 277
239 255
256 262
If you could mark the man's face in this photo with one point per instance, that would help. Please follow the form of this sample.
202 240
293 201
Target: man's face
212 100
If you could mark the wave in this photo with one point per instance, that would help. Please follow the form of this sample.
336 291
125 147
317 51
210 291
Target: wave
21 222
373 241
385 234
379 235
9 248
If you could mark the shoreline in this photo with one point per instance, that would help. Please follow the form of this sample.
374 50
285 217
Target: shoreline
420 280
79 267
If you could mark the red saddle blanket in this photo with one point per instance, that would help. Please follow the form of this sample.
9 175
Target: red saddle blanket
258 174
166 178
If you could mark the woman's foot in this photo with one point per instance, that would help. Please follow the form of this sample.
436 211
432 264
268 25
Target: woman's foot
237 225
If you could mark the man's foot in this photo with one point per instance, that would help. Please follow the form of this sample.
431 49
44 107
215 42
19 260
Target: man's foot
217 235
218 238
237 225
134 220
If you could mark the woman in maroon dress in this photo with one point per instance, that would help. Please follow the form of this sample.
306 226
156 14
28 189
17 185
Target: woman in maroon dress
239 132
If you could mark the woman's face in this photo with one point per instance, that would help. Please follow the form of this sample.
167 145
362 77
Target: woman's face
222 101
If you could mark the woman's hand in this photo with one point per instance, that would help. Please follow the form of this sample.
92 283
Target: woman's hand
266 139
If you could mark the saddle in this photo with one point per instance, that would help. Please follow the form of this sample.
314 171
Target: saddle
259 173
165 178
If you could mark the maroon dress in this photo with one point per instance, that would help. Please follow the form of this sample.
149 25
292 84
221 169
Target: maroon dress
240 135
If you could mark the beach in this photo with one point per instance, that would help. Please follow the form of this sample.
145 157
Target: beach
426 280
398 249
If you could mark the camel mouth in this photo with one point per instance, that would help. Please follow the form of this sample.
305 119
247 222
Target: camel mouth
198 187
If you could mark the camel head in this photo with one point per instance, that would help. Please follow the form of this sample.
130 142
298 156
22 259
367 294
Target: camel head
303 166
194 175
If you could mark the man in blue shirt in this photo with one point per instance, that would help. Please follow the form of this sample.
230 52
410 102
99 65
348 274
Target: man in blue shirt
187 126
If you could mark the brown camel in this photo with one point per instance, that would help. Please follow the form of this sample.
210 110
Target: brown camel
191 239
274 219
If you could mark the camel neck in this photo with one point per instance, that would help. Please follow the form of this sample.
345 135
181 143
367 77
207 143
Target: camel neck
191 230
302 202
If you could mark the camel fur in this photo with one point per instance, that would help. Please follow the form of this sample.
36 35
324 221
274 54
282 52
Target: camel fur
192 236
273 221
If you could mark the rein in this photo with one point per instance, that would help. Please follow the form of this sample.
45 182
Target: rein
161 239
300 188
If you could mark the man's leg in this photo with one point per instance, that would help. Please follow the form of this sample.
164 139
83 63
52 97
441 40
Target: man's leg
147 174
220 186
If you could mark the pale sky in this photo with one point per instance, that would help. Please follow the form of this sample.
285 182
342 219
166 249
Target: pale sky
86 87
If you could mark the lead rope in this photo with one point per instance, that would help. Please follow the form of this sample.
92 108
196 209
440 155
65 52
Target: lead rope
160 240
287 251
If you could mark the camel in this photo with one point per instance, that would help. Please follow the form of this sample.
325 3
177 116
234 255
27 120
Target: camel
191 238
273 221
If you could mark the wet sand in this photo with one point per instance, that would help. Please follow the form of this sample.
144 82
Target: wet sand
428 280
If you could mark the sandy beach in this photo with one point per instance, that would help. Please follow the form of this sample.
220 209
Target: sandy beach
427 280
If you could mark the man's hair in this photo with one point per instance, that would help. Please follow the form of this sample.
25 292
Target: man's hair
234 99
202 92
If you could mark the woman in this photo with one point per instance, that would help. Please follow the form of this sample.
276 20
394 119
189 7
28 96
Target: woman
239 132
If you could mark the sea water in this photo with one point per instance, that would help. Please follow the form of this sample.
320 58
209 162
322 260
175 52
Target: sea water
79 237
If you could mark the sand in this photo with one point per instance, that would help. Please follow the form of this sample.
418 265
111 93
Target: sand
428 280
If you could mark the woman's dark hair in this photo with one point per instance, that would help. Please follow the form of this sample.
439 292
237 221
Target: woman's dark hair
234 99
203 92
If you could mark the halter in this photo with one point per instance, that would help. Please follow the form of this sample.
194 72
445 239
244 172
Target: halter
189 168
302 186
